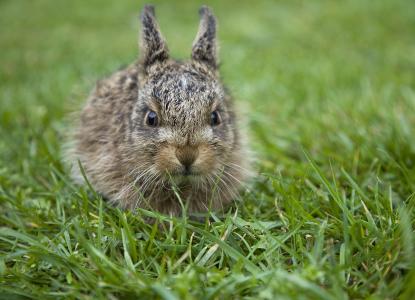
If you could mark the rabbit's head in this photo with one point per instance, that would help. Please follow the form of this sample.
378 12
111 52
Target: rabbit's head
182 125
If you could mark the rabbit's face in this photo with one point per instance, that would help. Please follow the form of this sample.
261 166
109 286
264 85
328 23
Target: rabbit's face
182 121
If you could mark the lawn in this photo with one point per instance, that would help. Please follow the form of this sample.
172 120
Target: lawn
327 89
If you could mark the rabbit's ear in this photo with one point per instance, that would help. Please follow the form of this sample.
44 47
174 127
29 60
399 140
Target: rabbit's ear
152 44
204 47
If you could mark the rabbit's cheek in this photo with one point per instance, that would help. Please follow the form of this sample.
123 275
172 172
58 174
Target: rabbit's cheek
165 160
206 161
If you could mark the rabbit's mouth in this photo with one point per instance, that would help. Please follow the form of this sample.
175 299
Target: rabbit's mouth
187 176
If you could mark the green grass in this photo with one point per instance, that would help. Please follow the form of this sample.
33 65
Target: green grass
328 88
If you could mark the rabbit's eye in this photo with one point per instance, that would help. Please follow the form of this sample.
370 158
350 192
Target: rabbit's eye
214 118
152 119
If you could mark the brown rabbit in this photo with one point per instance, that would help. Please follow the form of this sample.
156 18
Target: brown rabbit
163 132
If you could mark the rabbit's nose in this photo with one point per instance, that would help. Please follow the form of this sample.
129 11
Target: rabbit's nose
187 156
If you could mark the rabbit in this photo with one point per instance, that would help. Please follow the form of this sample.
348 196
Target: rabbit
162 134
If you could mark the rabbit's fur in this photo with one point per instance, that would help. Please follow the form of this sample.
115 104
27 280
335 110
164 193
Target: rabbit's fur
137 165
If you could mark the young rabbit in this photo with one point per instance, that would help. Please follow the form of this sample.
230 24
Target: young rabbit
161 132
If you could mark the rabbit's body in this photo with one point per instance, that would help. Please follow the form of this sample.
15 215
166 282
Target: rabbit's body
161 132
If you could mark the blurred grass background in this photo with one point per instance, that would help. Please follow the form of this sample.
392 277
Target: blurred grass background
334 79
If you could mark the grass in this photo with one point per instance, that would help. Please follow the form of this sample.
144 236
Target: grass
328 88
